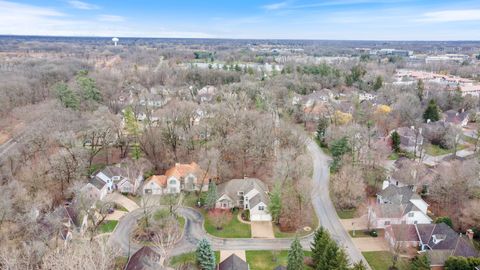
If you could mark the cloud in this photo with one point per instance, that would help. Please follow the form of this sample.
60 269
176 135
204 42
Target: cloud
275 6
82 5
451 15
13 9
111 18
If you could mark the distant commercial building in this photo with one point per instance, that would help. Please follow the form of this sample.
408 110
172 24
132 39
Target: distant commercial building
455 58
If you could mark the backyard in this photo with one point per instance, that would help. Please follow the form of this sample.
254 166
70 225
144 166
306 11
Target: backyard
382 260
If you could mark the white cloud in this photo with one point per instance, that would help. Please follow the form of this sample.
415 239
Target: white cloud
451 15
275 6
11 9
111 18
82 5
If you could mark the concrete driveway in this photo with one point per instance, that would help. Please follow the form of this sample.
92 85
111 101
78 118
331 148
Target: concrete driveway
355 223
116 215
122 200
371 244
262 229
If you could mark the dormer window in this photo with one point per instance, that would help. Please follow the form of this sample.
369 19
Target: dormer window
116 178
437 238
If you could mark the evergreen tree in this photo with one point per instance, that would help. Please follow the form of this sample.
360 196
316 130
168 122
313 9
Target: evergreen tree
295 256
359 266
321 130
341 261
378 83
88 87
275 205
431 112
131 123
446 220
212 195
320 241
66 96
205 255
338 149
329 257
420 263
395 141
420 89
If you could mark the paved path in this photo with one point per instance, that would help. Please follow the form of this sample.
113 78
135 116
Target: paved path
194 230
122 200
116 215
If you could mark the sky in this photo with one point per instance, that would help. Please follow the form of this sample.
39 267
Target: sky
246 19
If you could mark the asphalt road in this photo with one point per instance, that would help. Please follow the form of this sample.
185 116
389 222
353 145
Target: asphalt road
194 230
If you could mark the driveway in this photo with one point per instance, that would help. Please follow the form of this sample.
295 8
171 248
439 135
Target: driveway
355 223
371 244
262 229
116 215
122 200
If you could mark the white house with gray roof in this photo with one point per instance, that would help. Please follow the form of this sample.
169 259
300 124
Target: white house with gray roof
398 205
247 193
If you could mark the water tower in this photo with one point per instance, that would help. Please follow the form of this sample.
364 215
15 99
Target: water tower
115 41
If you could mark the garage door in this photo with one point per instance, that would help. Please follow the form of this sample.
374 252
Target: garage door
259 217
148 191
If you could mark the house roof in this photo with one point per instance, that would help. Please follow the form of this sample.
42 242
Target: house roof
442 237
387 210
161 180
454 117
232 187
144 258
233 262
182 170
398 195
97 182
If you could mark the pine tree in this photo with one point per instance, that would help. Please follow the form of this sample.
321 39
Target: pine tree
420 263
295 256
431 112
275 205
212 195
420 89
88 87
395 141
329 257
320 241
205 255
341 261
321 130
66 96
359 266
378 83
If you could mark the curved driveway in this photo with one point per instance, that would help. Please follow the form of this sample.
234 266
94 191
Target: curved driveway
194 230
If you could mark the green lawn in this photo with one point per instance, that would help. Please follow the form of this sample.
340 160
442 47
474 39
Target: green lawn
108 226
188 259
267 259
435 150
235 229
120 208
362 233
346 214
382 260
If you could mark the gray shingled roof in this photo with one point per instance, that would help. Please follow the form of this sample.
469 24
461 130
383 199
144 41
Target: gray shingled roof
398 195
97 182
144 258
233 262
232 187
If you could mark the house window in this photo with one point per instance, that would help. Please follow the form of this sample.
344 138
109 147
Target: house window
387 222
261 208
415 222
172 182
116 178
240 193
224 205
410 214
246 206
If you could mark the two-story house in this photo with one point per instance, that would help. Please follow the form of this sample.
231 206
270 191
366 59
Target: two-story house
247 193
187 177
398 205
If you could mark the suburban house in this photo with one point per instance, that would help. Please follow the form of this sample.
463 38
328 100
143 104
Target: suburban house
398 205
187 177
438 241
455 118
112 178
247 193
145 258
411 139
206 94
233 262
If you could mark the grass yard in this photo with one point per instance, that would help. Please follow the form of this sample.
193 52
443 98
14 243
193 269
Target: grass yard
188 259
346 214
435 150
382 260
120 208
108 226
235 229
268 259
362 233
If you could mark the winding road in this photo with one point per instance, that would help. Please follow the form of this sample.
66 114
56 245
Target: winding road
194 230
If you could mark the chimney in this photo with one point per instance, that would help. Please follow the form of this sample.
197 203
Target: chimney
470 234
